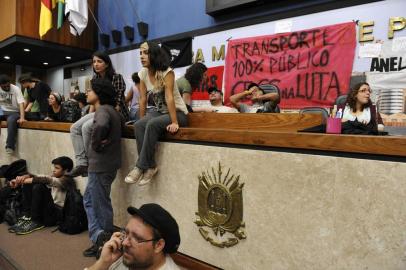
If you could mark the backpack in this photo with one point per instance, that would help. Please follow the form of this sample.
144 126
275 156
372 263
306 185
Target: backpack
74 219
70 111
16 168
13 207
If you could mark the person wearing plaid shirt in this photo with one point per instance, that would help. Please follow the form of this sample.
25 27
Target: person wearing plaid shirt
80 131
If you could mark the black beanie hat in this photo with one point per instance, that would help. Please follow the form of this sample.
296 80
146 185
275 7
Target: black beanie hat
161 220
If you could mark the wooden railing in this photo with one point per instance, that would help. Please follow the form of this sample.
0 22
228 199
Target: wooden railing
267 130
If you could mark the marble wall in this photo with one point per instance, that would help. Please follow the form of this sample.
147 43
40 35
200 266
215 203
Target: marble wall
301 211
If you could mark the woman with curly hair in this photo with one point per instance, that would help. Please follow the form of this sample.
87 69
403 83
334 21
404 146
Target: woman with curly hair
193 77
170 114
54 108
359 107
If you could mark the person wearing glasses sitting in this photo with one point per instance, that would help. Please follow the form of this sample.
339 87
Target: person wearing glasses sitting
150 235
216 103
359 114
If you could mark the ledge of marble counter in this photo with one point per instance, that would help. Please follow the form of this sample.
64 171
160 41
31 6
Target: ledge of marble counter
363 144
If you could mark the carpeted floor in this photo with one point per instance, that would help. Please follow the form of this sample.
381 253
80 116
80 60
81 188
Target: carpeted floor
44 250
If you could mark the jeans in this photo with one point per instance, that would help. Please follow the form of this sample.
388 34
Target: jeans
38 203
12 128
80 133
134 113
147 132
97 203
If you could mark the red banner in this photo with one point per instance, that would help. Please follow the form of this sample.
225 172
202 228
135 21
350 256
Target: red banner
214 78
311 67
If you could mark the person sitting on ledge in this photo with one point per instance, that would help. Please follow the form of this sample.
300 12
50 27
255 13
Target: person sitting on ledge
156 75
104 154
261 102
80 131
54 108
150 236
133 96
359 110
194 76
216 101
42 195
12 109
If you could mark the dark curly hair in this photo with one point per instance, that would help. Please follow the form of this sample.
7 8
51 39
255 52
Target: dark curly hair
135 77
81 97
194 74
110 71
104 90
352 97
158 58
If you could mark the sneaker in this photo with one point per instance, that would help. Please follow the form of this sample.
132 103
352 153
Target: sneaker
9 151
20 222
134 176
148 176
29 227
80 170
91 252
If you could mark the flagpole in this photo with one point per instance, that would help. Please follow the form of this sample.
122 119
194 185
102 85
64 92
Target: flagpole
94 18
121 12
135 11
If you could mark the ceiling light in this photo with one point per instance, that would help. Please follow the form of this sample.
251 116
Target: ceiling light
27 50
7 57
45 63
68 57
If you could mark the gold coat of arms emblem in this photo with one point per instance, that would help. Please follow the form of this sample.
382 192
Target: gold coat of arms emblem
220 207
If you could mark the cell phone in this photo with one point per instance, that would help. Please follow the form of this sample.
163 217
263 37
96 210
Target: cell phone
122 237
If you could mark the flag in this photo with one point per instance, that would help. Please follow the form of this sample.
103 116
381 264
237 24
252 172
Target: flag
61 11
179 52
45 19
77 10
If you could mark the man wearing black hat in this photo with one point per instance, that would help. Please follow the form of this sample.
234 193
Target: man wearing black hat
150 235
261 101
216 102
104 153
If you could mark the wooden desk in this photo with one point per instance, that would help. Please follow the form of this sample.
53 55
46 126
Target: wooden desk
266 130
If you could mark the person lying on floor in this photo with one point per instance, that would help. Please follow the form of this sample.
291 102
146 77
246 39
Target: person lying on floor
42 195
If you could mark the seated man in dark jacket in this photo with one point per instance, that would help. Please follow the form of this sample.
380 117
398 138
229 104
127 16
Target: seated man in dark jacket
42 195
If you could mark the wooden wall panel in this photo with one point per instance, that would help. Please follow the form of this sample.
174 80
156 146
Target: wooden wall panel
7 19
28 12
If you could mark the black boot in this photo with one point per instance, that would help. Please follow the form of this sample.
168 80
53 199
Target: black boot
91 252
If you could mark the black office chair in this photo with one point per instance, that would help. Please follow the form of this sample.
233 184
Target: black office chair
269 106
315 110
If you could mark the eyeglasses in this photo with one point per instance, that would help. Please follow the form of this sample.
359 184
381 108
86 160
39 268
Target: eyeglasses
134 240
365 91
